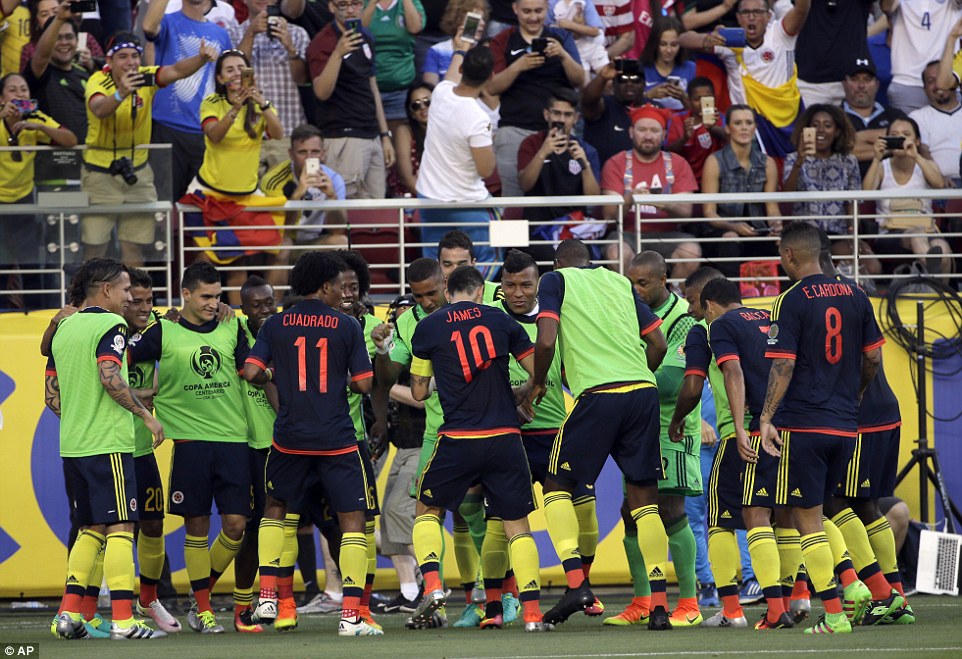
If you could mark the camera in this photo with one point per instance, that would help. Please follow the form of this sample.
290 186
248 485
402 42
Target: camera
893 142
150 79
27 108
83 6
273 12
124 168
627 67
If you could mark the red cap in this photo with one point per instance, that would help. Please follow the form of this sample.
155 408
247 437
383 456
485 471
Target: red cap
650 112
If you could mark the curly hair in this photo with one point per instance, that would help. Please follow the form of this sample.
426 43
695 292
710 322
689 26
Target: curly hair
845 140
356 262
315 269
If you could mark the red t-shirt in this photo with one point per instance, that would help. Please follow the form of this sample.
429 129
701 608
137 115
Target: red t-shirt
653 175
701 145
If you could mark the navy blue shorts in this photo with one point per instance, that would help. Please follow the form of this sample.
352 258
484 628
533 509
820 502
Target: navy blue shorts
724 505
623 422
811 468
537 445
150 489
871 471
374 510
314 508
258 464
498 463
342 477
759 480
202 473
104 488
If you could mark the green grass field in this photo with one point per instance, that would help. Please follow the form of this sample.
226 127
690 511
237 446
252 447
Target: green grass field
936 634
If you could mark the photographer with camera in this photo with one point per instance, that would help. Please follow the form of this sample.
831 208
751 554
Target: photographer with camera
119 115
22 124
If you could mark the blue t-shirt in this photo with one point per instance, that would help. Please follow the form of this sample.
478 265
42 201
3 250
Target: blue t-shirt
592 19
685 71
178 105
438 58
742 335
316 352
470 347
823 325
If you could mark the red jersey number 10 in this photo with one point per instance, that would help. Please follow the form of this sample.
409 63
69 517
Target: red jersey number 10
478 362
301 344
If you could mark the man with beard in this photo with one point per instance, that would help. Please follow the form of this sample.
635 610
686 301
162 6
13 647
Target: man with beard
939 123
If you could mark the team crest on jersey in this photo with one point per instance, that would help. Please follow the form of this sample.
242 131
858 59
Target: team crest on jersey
177 497
367 51
133 505
206 362
768 56
681 351
119 344
609 10
772 334
135 378
704 140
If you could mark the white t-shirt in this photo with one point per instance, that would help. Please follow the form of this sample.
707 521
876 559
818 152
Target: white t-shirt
916 182
221 13
942 132
919 31
772 64
455 125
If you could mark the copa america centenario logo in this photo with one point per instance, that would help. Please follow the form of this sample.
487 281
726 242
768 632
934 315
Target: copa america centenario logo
206 362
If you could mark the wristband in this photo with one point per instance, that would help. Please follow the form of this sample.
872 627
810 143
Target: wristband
462 53
385 349
270 374
118 97
267 106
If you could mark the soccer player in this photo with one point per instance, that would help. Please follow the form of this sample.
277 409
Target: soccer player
456 249
466 347
316 352
648 273
150 489
597 319
257 304
738 338
824 345
393 353
86 386
871 475
200 401
519 282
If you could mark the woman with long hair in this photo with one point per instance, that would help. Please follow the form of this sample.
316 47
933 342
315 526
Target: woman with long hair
409 140
667 67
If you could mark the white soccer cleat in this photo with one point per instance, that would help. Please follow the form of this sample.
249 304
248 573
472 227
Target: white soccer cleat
357 627
161 616
137 631
265 612
721 620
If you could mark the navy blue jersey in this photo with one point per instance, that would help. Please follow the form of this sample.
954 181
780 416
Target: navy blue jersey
697 351
823 325
742 334
879 409
316 351
469 346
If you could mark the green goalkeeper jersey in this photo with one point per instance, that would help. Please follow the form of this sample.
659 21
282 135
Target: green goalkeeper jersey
676 321
257 408
355 400
401 354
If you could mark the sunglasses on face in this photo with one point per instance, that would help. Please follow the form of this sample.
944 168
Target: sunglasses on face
420 105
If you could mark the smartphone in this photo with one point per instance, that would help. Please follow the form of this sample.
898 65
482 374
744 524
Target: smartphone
674 80
556 125
312 166
708 110
25 106
472 26
83 6
82 38
539 45
893 142
150 79
247 78
627 67
274 10
734 36
808 135
353 24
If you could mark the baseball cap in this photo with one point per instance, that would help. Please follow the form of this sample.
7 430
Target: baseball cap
862 64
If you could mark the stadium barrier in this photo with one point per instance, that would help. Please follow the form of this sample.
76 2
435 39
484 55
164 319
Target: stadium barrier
34 512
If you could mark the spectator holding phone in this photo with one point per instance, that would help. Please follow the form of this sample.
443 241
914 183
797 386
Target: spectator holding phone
278 54
119 113
823 161
341 61
59 83
531 61
394 24
89 55
667 69
704 134
455 17
740 167
22 124
898 165
175 37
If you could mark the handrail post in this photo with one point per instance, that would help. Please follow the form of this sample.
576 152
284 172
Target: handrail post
855 250
181 251
402 271
63 261
170 259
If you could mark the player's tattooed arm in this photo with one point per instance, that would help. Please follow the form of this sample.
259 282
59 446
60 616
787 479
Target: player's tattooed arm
422 386
779 378
871 361
52 393
112 379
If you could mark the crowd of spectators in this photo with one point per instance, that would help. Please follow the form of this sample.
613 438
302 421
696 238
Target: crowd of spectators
314 100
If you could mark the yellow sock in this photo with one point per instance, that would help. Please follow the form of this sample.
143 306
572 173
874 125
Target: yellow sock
883 545
562 522
724 556
789 555
371 565
856 538
764 555
150 555
527 568
587 526
653 542
197 558
119 563
494 550
818 560
465 553
427 539
836 543
97 570
243 597
353 563
80 563
289 550
222 552
270 544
